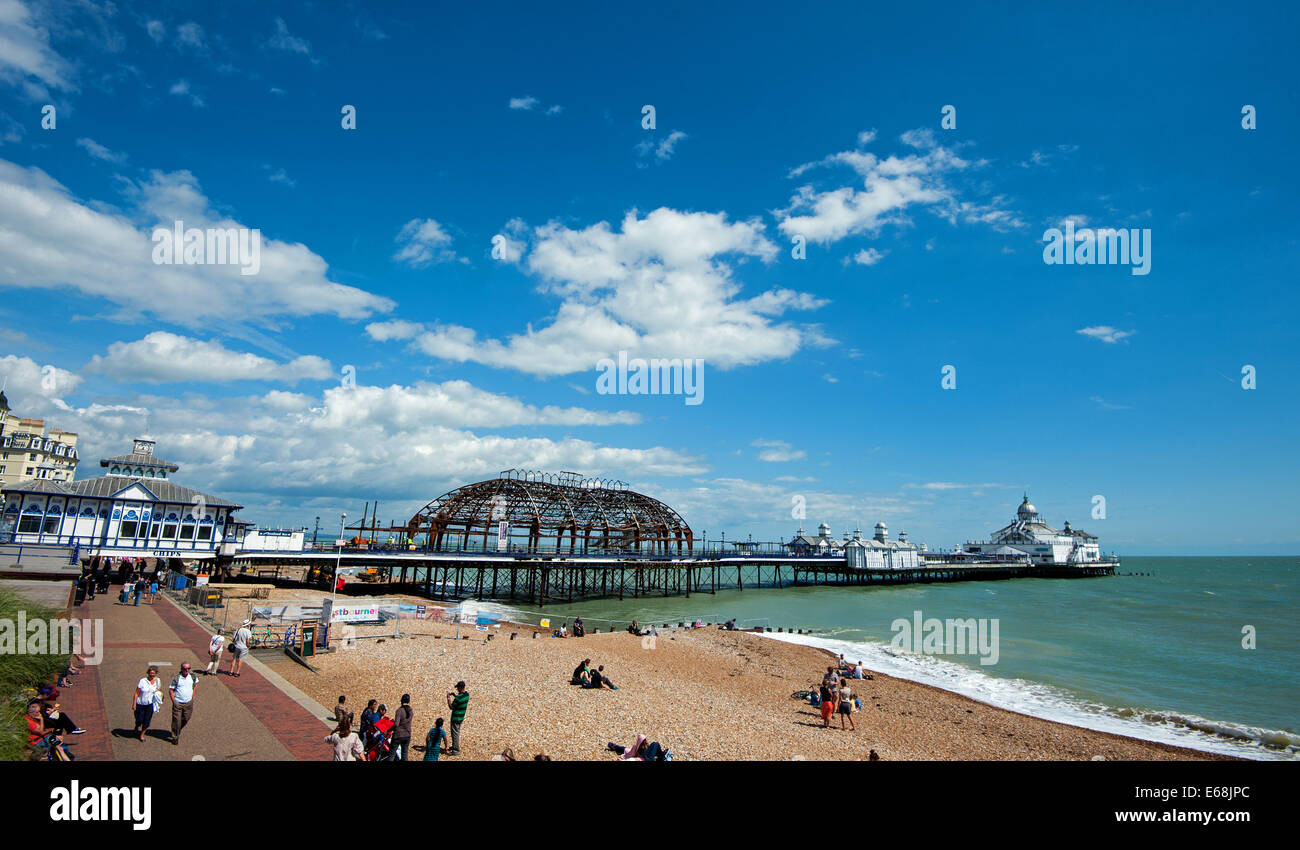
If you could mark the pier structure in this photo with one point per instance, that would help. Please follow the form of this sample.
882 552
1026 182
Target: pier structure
543 538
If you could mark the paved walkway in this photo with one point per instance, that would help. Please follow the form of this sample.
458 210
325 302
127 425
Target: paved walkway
256 717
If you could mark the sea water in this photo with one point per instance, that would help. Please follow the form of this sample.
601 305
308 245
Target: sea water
1159 652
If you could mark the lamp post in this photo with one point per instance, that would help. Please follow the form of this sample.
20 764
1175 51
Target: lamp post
334 583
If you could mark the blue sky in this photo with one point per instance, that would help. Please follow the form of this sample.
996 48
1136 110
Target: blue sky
924 248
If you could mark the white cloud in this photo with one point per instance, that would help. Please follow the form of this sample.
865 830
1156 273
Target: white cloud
425 243
778 451
661 149
524 103
890 186
283 40
163 357
659 287
28 384
868 257
952 485
190 34
1105 333
98 151
181 88
157 30
26 59
49 240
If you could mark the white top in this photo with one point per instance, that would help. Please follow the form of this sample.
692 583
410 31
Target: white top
184 688
218 641
147 691
242 637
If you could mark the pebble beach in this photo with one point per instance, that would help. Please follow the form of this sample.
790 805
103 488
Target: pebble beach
704 694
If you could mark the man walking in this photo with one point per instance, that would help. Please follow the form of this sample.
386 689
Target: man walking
402 726
458 702
239 647
182 694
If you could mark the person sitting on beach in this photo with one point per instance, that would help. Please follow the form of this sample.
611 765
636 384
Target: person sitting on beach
642 750
582 674
542 756
599 678
579 630
857 671
634 629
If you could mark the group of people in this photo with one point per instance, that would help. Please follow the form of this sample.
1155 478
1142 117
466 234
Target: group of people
834 696
138 586
239 647
636 629
380 737
47 723
588 678
148 700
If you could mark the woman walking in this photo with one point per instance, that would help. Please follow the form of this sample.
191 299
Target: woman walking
347 744
845 696
148 696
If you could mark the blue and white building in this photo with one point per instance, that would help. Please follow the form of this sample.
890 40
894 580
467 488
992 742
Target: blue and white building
135 510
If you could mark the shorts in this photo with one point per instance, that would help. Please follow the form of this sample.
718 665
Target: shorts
239 653
827 707
846 708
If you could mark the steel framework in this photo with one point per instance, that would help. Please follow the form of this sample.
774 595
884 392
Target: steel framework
555 512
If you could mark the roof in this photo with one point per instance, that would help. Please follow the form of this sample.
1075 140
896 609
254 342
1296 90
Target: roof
106 486
138 459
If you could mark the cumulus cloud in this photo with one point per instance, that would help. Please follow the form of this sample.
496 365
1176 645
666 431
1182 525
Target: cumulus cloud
163 357
889 187
660 286
1105 333
31 384
49 239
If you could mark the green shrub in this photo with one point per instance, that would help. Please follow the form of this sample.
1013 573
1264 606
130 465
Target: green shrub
20 676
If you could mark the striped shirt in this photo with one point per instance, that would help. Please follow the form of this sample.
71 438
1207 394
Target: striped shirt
459 703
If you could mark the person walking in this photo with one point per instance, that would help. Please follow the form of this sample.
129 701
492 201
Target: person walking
402 727
347 744
153 588
139 589
435 742
458 702
148 698
239 647
182 694
845 695
216 646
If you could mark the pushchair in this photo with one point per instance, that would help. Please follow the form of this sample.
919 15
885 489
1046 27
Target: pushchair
379 748
50 748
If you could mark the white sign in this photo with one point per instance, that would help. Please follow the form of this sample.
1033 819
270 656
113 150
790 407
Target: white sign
340 542
503 535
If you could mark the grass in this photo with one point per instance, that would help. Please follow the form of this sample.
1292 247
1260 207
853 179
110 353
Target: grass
20 676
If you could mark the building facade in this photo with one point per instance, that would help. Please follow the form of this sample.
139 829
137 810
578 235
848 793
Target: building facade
133 510
31 452
878 553
1029 537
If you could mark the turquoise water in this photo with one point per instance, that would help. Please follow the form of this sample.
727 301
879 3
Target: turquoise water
1157 656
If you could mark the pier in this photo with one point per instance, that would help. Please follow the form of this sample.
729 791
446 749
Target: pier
541 579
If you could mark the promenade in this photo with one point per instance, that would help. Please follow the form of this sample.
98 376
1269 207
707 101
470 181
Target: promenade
256 717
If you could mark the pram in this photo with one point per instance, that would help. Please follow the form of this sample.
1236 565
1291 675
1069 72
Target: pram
379 748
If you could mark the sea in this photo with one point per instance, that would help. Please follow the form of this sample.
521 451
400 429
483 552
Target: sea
1199 652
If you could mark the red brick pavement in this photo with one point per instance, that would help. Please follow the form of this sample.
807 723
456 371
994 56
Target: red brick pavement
84 703
300 731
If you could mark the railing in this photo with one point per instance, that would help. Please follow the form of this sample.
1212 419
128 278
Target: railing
698 552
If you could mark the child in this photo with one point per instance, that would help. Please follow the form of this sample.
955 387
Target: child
435 742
